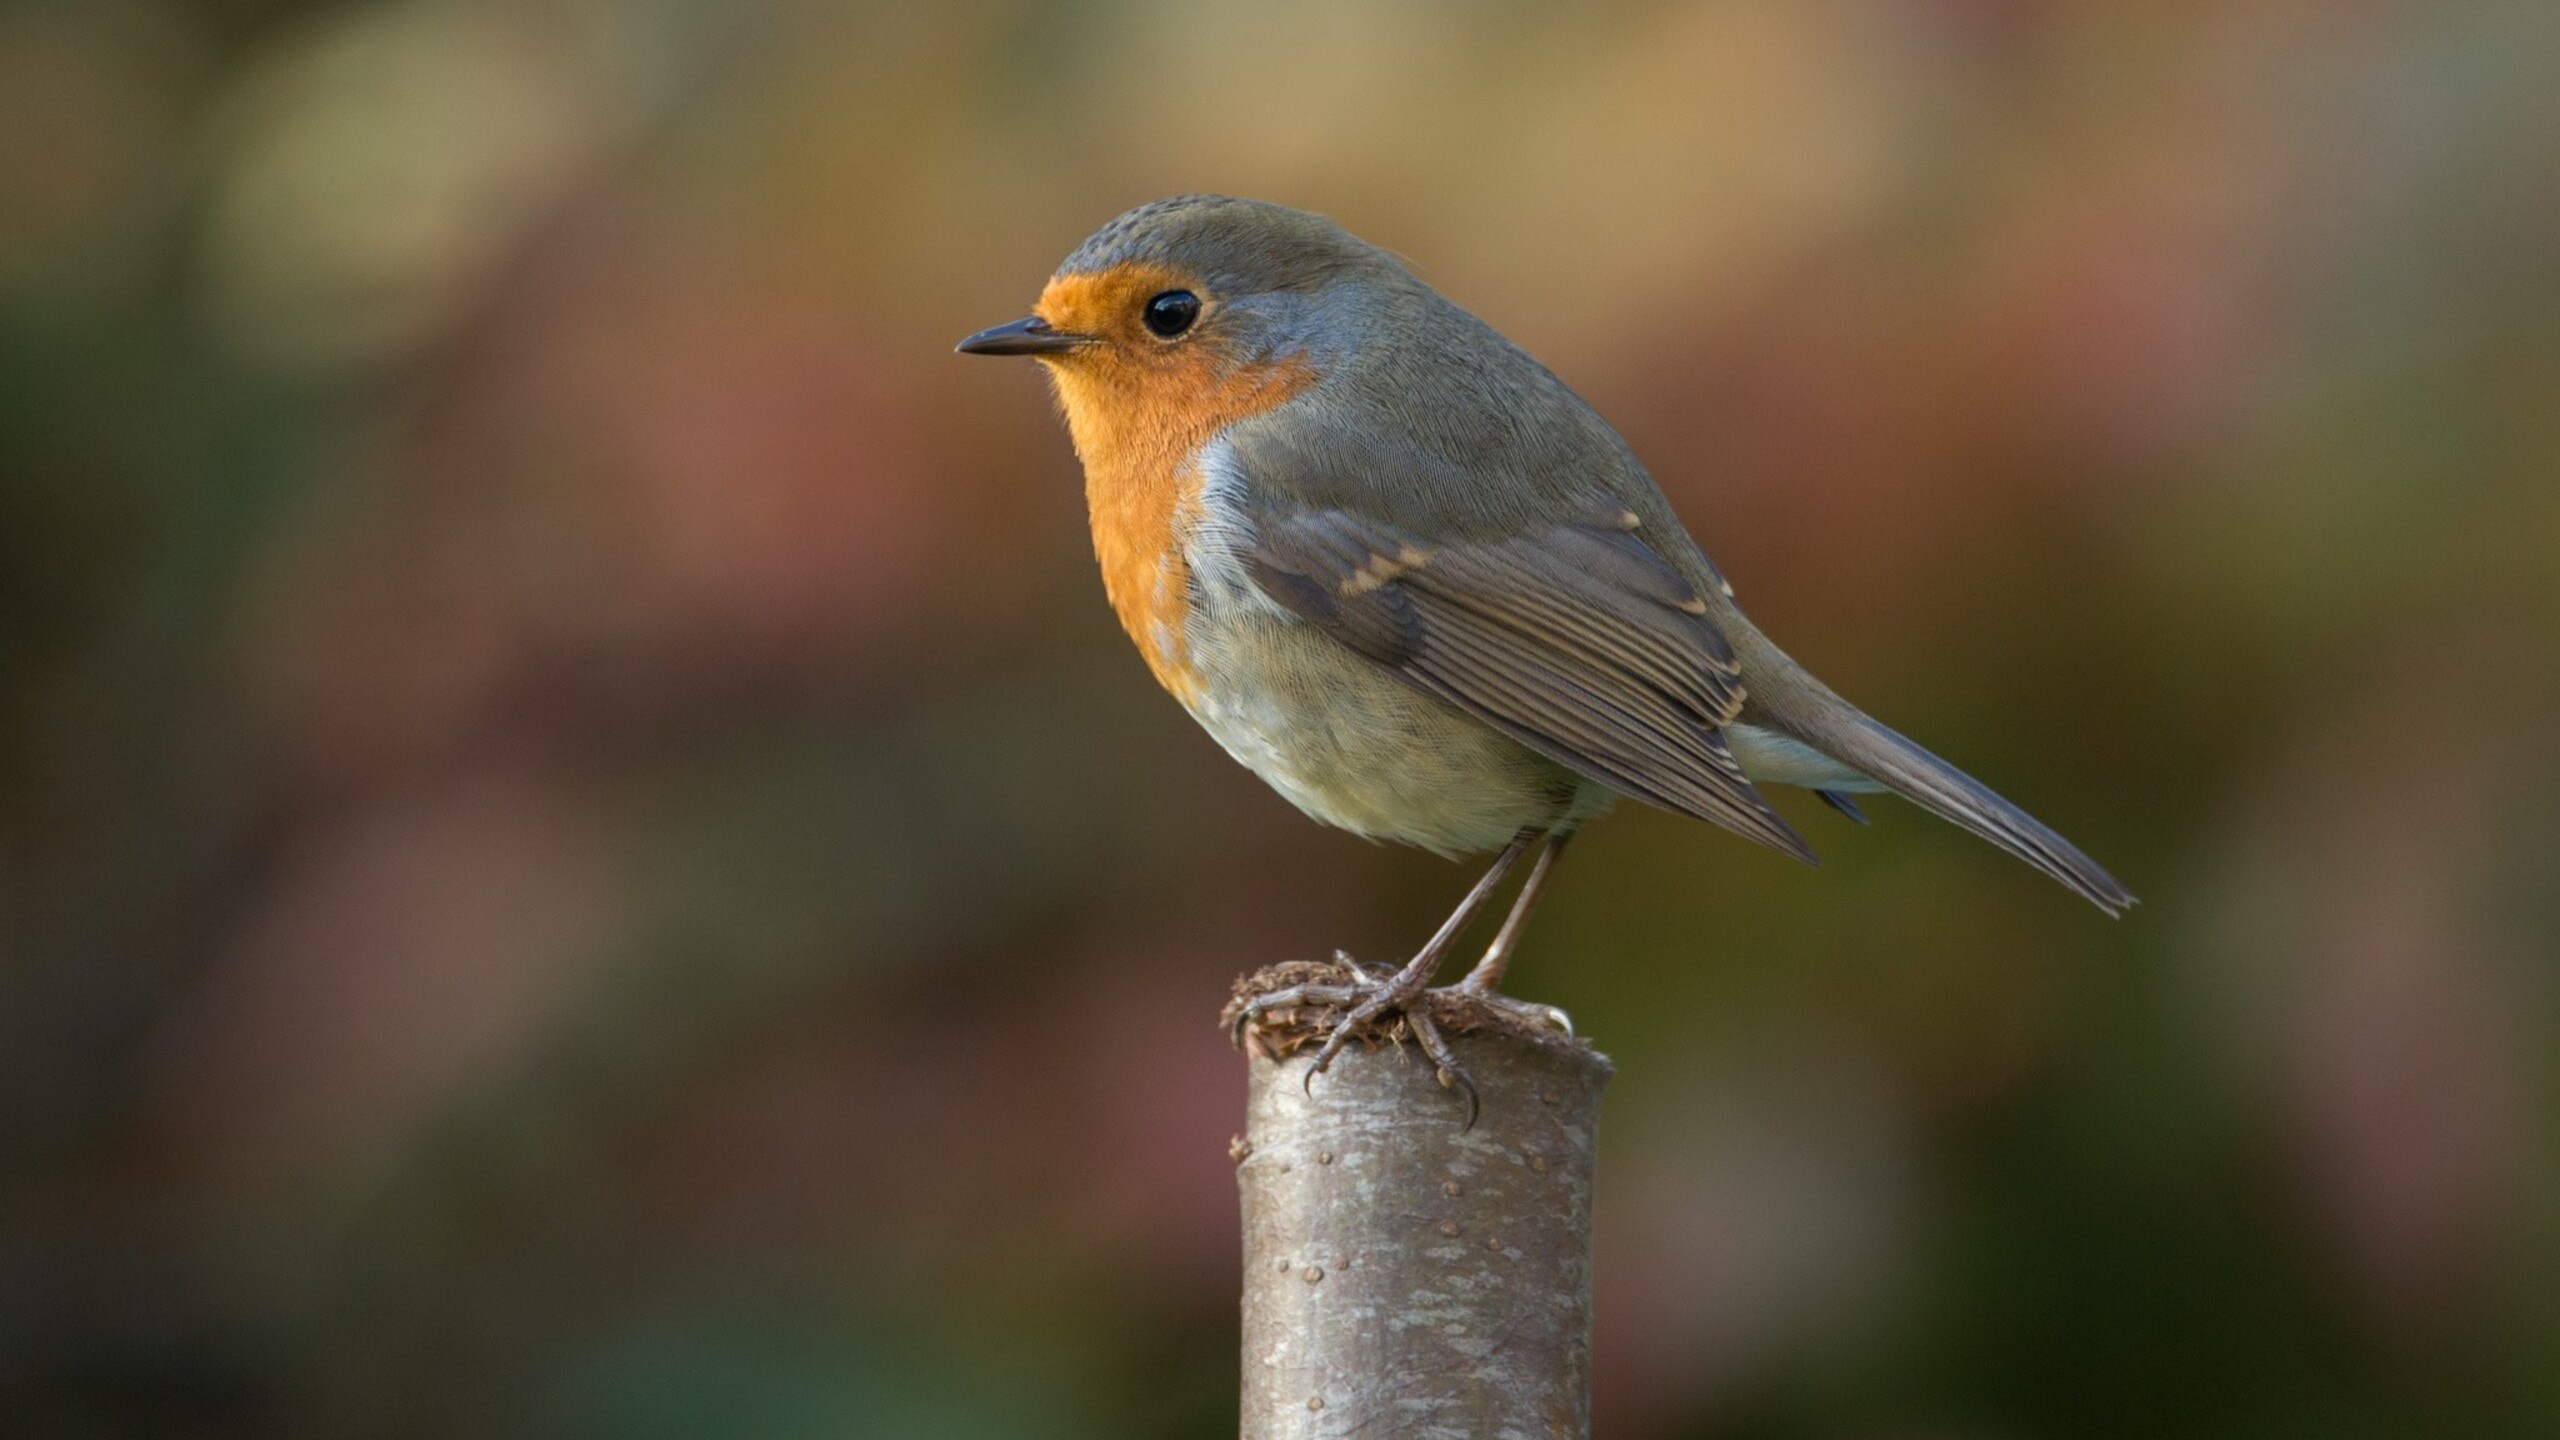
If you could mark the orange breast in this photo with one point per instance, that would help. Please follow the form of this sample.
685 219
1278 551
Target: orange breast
1139 424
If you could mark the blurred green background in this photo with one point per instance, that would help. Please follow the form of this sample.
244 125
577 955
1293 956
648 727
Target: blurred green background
581 857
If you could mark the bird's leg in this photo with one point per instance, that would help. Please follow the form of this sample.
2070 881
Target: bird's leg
1486 978
1371 996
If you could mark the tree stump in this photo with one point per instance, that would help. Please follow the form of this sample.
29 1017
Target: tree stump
1406 1275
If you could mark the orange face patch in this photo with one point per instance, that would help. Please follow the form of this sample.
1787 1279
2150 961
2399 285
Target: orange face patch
1139 409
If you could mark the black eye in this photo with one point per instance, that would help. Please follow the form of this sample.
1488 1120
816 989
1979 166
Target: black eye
1172 312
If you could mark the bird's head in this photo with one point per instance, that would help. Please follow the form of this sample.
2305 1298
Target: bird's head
1191 307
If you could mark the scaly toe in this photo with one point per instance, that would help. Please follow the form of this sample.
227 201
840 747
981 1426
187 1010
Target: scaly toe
1343 1029
1376 1002
1369 974
1445 1066
1289 998
1527 1011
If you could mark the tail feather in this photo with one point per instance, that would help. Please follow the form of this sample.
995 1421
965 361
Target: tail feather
1841 803
1949 793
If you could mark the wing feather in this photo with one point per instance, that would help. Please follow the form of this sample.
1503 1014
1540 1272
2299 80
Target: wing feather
1577 640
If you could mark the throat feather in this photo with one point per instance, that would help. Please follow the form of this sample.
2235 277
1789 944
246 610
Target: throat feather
1141 440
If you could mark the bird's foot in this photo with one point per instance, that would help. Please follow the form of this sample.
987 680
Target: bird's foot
1524 1014
1329 1006
1354 1001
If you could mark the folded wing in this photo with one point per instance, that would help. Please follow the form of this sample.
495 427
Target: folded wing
1576 640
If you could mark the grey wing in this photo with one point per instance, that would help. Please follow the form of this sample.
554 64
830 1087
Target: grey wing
1576 640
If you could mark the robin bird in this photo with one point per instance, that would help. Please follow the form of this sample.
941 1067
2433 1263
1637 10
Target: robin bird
1411 580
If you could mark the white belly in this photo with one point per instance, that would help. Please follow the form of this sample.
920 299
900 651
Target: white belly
1356 748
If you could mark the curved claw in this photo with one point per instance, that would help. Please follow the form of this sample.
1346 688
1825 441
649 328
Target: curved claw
1451 1077
1324 1057
1445 1066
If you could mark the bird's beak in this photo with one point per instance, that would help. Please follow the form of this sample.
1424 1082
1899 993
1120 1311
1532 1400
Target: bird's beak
1023 337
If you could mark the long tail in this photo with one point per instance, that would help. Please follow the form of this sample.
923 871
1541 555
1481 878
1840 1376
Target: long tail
1837 729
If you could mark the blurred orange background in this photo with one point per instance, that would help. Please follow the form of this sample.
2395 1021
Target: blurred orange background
580 855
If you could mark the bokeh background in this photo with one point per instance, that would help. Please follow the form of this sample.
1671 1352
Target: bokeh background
581 857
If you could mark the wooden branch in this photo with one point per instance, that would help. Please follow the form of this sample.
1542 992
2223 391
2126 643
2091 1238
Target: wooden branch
1402 1277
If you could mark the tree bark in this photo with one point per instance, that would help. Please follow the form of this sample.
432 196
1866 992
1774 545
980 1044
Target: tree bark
1405 1276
